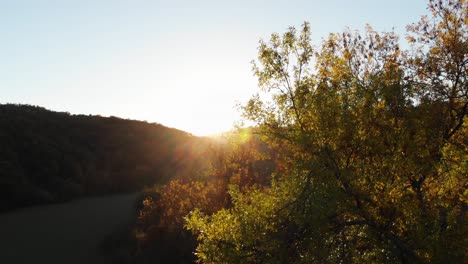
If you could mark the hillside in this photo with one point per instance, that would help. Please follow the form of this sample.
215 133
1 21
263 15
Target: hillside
48 156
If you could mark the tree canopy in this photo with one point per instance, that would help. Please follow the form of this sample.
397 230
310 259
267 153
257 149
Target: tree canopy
374 146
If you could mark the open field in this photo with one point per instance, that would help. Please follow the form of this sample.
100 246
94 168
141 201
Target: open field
62 233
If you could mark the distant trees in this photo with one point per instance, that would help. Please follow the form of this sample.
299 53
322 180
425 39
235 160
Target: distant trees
47 156
375 150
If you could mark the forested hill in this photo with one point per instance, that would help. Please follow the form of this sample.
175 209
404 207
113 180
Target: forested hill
48 156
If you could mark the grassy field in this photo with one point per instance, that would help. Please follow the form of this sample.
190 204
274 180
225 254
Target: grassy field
63 233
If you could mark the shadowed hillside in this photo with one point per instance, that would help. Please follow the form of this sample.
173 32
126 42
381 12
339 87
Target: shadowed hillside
48 156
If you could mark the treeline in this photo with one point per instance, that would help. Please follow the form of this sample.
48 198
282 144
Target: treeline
48 156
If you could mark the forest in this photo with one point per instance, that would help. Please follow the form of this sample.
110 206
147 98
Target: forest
48 156
358 154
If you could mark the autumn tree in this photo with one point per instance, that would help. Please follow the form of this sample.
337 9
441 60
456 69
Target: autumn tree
378 137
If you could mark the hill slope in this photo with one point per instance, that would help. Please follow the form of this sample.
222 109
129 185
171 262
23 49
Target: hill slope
48 156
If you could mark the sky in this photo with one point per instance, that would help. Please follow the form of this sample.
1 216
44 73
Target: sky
183 64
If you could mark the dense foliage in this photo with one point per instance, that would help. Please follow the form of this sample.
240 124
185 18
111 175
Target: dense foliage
375 146
239 158
49 156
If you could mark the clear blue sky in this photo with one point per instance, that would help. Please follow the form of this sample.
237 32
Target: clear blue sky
184 64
